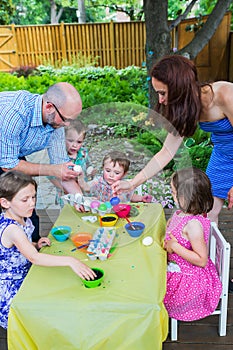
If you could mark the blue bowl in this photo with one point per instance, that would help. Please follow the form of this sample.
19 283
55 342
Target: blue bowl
138 228
61 233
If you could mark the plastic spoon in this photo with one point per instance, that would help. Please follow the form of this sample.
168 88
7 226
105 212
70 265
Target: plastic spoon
86 244
130 223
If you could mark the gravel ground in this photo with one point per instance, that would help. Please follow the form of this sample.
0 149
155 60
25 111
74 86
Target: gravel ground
98 146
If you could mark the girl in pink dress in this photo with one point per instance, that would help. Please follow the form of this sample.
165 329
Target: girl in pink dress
193 285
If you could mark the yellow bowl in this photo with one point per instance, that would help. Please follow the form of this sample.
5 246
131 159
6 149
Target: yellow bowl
108 220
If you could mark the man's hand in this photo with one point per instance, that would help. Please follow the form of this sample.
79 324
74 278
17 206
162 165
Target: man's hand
65 171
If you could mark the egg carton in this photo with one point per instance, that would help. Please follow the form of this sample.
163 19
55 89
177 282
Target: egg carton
102 243
77 198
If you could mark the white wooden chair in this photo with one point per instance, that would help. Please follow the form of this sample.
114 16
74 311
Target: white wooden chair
219 252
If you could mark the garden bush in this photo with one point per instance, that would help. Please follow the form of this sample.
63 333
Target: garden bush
96 85
118 99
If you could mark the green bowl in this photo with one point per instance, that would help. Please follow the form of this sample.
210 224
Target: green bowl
97 281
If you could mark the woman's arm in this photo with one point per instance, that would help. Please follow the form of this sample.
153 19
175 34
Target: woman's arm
157 163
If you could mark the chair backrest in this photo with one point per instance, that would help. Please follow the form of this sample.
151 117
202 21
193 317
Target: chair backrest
219 252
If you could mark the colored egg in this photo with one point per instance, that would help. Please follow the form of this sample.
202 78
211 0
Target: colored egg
95 204
78 168
102 207
114 201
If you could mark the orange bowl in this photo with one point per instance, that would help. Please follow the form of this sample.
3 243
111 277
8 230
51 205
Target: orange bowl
80 239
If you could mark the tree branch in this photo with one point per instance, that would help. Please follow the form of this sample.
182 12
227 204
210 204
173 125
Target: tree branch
130 12
180 18
58 15
204 34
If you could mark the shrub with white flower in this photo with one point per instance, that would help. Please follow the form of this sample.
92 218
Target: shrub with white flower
159 187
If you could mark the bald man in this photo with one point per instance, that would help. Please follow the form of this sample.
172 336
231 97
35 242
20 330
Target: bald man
32 122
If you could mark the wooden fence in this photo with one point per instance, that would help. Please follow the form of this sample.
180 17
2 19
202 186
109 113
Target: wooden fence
112 44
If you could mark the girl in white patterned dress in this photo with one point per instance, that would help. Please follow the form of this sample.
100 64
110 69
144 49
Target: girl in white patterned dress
17 252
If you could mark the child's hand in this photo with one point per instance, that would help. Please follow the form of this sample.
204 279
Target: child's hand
94 172
79 208
147 198
91 171
80 175
82 270
43 241
169 243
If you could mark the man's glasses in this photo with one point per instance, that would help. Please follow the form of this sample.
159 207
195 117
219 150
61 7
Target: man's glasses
65 120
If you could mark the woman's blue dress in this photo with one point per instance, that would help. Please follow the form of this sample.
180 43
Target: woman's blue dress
13 268
220 167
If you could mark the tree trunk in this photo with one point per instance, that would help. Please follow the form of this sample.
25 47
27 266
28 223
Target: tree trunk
53 12
158 39
54 16
82 11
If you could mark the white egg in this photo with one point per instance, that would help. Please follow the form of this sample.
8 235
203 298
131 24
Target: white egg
147 240
78 168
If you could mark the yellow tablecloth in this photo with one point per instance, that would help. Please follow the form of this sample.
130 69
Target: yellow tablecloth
54 310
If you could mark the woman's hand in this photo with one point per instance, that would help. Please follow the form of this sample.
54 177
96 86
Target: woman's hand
230 198
121 186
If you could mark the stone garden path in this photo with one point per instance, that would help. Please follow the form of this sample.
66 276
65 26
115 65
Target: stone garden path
98 146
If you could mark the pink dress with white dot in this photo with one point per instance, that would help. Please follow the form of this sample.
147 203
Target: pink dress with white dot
193 292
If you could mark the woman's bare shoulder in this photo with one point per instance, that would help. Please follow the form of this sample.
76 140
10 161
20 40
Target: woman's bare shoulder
223 92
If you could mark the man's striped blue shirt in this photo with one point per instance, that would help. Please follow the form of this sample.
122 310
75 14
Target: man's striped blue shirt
22 131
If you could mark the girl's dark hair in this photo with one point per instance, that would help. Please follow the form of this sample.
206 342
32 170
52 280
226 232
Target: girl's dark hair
12 182
184 91
118 157
193 188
